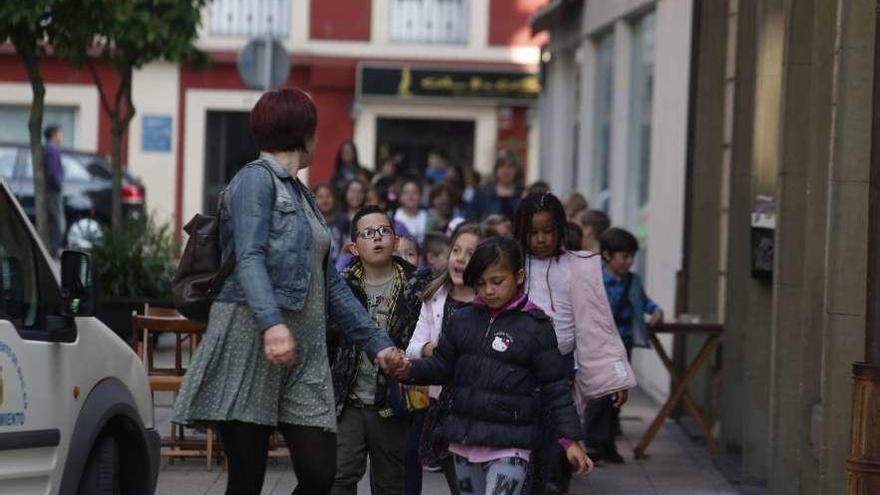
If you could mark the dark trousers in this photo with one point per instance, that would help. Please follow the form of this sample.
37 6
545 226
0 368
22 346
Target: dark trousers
362 433
412 484
602 419
312 450
57 222
599 426
558 470
413 479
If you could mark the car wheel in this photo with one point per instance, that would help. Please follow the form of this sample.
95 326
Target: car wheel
101 476
83 232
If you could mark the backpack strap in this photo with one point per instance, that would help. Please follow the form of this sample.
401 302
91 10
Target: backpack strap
228 265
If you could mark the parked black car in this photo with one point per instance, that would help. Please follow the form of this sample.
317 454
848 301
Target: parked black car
88 189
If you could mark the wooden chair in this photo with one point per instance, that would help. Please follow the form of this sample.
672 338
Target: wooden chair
157 321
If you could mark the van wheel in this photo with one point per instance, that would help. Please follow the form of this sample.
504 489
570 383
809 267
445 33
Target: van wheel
101 476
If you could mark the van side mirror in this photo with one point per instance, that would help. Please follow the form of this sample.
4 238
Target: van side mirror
11 287
77 284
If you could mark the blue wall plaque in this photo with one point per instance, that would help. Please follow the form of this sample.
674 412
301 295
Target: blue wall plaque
156 135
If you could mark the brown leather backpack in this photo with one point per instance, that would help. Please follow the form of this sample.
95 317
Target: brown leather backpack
200 275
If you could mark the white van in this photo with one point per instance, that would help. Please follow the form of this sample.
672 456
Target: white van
76 412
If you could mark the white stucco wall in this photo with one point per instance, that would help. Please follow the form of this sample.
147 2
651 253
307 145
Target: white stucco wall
155 91
668 165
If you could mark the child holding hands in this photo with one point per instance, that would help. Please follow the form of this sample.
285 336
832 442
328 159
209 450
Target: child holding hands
496 352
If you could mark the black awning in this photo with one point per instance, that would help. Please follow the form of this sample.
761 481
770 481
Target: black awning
552 15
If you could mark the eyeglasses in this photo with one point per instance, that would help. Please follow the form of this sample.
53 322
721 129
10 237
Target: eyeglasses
370 232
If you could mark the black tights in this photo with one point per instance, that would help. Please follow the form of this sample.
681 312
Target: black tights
313 451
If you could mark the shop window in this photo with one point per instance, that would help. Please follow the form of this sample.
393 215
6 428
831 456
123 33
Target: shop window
250 18
639 142
430 21
14 123
604 93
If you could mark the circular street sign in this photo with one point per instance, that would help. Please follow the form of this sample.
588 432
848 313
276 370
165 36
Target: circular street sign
252 64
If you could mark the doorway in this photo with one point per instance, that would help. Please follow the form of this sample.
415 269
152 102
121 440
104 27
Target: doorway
413 139
229 146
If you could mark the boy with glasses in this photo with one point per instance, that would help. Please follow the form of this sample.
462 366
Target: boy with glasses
370 418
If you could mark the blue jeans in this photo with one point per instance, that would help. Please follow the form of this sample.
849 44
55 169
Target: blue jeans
500 477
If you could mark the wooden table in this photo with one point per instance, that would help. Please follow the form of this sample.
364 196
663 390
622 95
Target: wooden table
713 332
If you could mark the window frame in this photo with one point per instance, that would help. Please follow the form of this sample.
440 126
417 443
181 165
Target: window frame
431 38
48 325
603 119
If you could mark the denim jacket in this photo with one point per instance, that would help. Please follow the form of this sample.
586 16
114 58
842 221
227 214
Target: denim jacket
262 223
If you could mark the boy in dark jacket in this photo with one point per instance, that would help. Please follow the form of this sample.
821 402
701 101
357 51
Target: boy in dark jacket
368 424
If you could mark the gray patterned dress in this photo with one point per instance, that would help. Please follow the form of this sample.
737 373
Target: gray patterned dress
231 379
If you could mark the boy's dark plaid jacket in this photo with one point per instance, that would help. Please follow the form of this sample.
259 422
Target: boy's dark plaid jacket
409 283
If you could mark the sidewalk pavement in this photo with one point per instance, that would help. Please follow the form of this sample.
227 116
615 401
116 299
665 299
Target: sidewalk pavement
675 466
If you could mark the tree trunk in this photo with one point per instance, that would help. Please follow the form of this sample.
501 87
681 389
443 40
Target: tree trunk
35 128
117 131
120 119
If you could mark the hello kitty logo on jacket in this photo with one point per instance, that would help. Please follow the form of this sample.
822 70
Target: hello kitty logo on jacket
501 342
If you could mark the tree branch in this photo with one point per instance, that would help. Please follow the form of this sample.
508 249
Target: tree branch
104 102
129 102
120 90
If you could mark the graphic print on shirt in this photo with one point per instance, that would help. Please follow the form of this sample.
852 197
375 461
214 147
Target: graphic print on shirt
502 341
378 306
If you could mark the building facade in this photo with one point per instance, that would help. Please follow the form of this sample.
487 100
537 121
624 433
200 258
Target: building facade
396 76
779 214
613 124
764 160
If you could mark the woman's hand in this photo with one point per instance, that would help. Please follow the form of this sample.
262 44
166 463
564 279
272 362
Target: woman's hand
618 399
579 460
390 359
279 346
428 349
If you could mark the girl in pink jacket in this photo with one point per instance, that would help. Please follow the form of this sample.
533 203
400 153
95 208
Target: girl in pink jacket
440 300
568 286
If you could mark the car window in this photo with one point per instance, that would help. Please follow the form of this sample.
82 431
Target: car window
97 166
74 170
7 162
28 290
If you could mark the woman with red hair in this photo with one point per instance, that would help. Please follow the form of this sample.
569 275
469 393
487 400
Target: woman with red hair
262 364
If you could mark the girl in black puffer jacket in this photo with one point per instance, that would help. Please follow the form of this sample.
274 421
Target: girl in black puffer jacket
501 355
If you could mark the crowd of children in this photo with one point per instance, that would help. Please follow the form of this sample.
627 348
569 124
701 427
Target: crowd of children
494 299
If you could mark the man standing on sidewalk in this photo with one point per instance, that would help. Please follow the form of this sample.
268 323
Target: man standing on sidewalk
54 174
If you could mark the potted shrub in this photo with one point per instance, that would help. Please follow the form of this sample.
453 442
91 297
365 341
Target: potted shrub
133 266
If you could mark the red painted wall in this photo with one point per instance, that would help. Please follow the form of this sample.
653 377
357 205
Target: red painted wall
340 20
56 71
331 85
334 127
509 22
